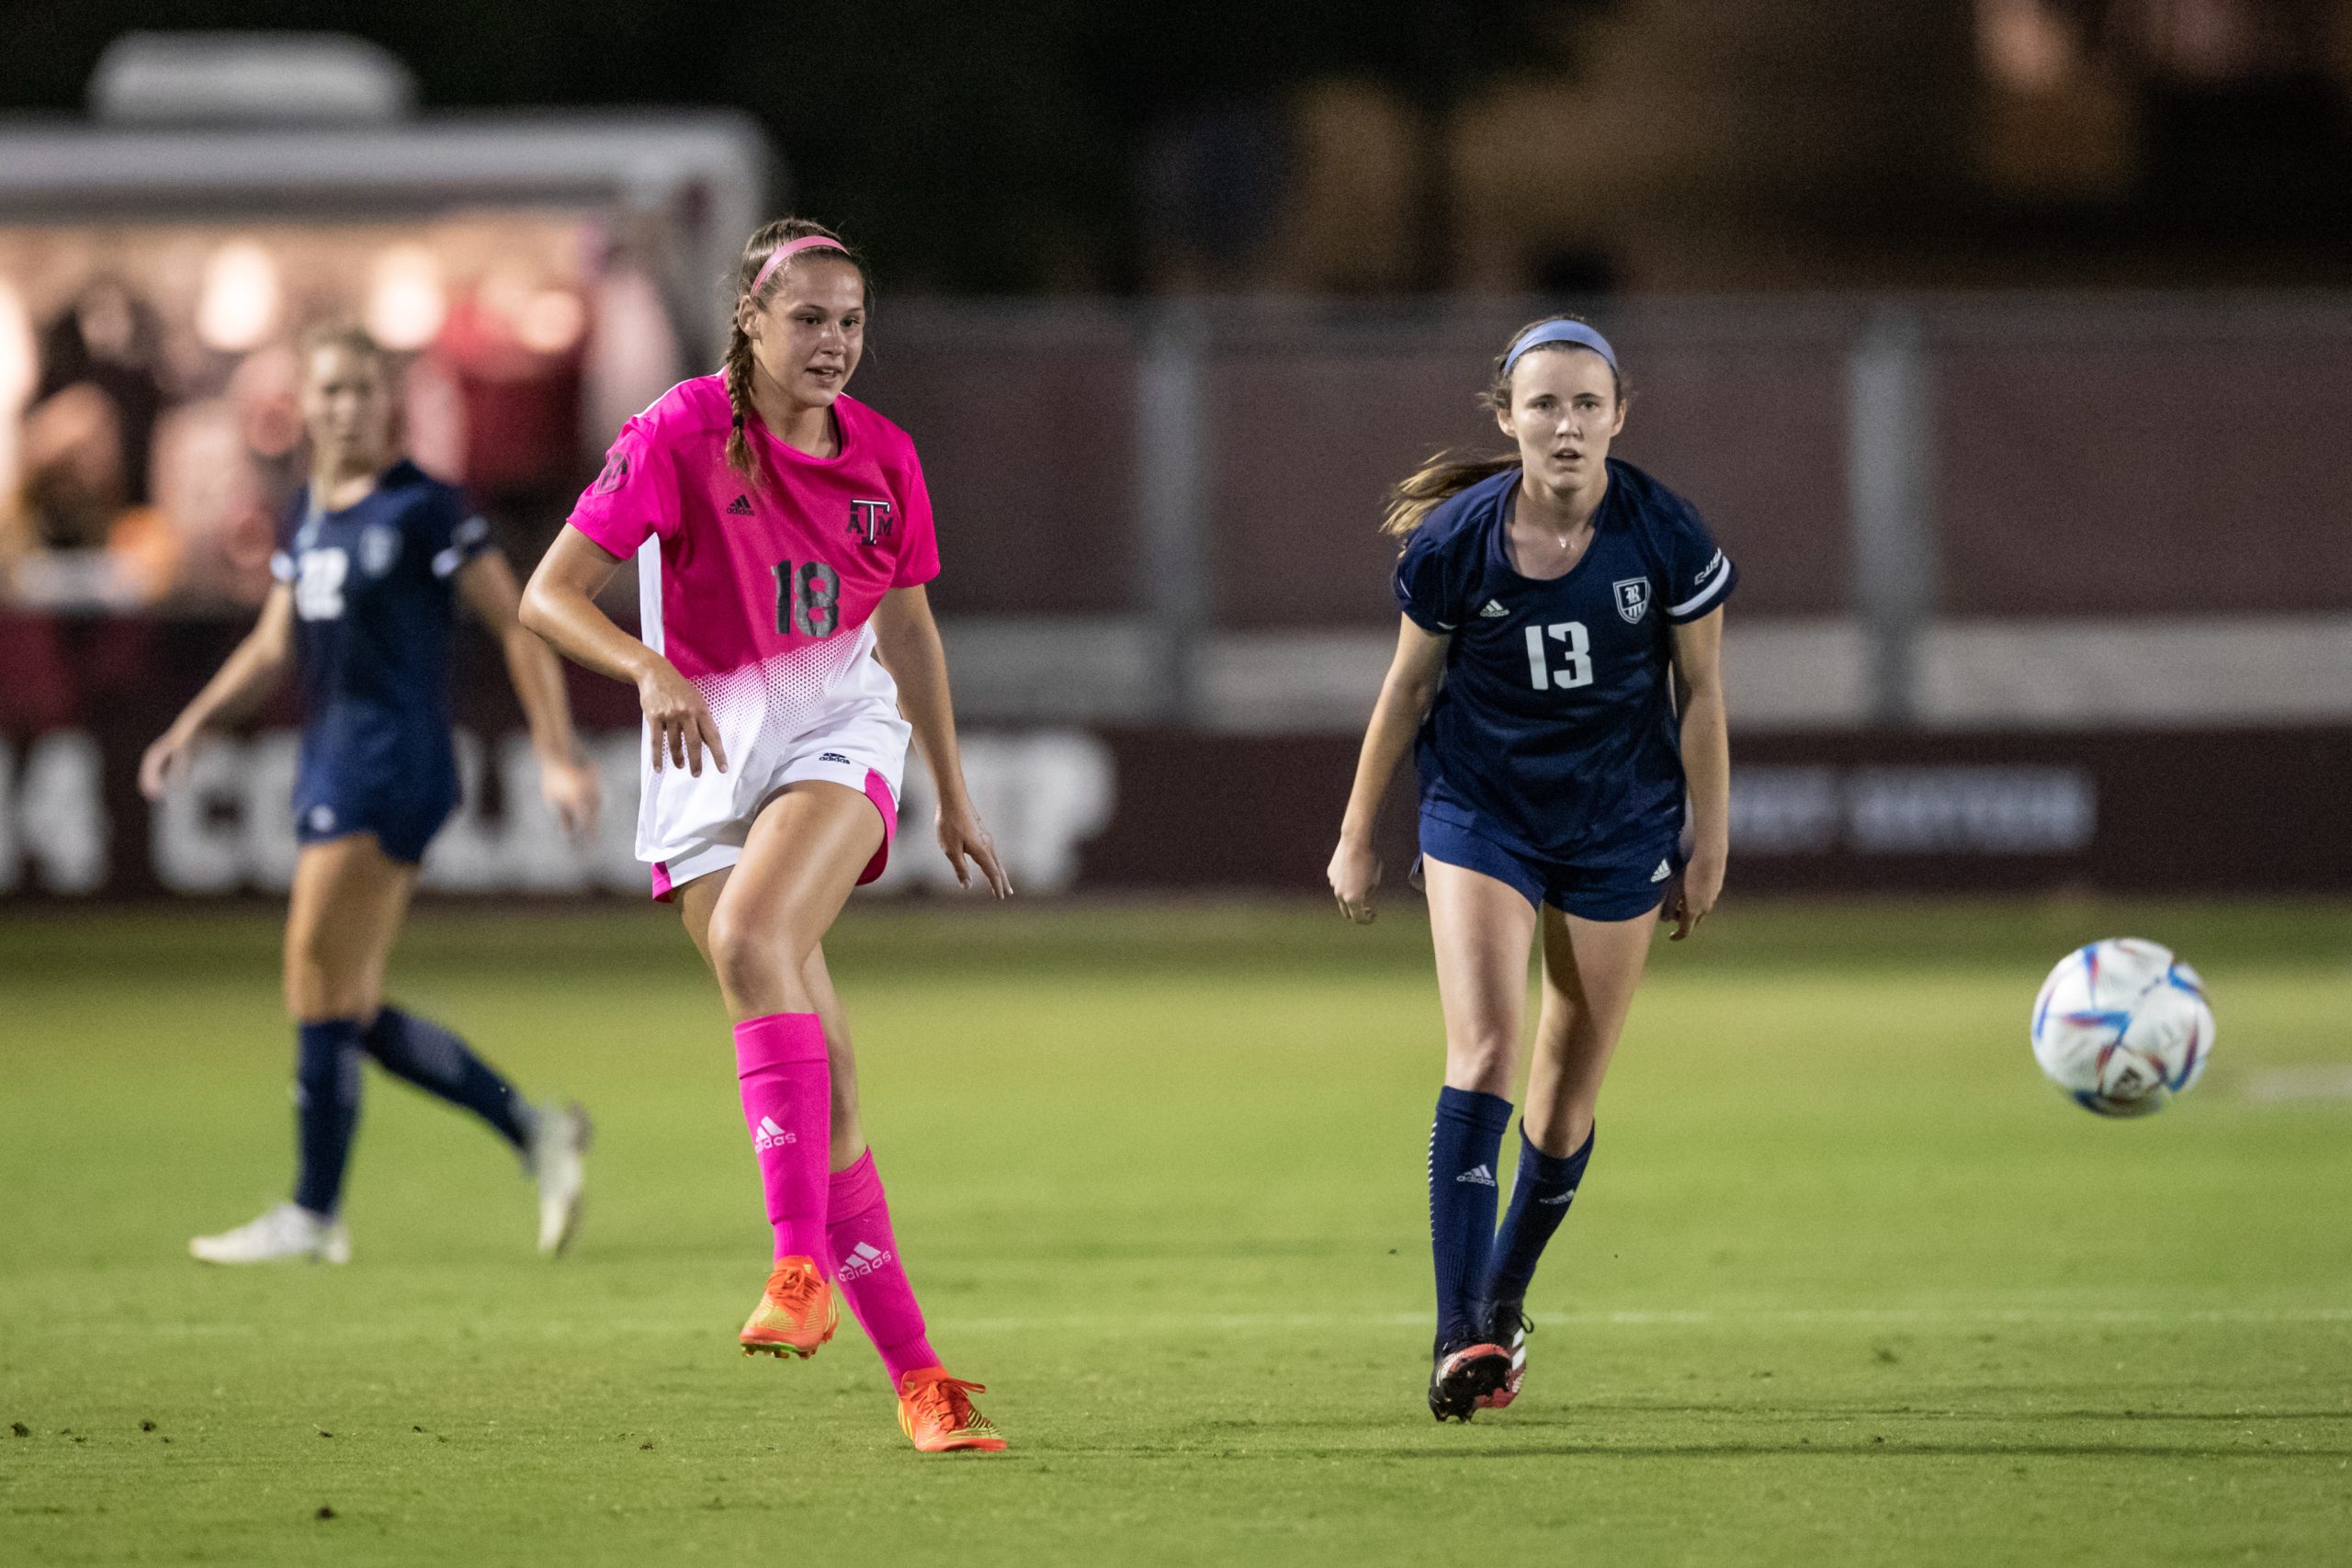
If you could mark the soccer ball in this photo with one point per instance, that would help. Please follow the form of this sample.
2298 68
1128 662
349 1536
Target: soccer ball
2121 1026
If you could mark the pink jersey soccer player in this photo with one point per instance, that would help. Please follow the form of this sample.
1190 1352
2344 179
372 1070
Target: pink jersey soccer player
783 535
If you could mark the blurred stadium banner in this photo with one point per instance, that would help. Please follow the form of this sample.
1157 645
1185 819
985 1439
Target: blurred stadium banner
1147 808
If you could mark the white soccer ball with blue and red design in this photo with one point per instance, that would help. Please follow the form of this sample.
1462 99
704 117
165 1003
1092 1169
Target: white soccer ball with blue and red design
2121 1026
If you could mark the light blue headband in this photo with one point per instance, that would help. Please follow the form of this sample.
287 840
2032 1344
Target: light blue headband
1575 333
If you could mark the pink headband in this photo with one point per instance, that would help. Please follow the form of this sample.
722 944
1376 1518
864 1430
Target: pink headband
789 249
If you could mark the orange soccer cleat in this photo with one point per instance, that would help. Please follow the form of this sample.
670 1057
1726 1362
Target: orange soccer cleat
935 1411
797 1312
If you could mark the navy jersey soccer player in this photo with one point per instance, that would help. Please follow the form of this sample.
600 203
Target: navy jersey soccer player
1557 676
1553 737
374 614
377 556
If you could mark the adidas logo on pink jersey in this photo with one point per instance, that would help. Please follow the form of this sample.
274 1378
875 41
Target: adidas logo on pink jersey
739 507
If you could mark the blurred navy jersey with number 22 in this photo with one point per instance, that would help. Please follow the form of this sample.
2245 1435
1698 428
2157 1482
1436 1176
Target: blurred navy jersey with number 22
375 613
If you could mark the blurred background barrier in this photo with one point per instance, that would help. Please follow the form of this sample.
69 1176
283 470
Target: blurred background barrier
1143 807
2020 564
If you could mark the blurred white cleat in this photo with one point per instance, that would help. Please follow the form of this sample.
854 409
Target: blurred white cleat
559 1148
286 1234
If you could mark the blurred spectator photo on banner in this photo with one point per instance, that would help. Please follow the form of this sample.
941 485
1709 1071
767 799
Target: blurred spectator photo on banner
149 440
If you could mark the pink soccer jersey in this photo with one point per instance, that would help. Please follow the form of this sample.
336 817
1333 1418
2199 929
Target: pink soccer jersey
760 594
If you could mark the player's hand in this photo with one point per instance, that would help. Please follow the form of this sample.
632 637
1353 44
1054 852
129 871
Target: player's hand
1354 873
1695 893
961 837
572 792
678 719
163 763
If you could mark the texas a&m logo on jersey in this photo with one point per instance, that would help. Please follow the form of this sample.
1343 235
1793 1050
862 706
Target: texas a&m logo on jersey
869 521
1633 598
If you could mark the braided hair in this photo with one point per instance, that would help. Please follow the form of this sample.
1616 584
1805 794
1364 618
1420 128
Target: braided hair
738 366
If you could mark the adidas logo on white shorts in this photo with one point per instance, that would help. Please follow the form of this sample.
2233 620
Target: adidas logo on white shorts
770 1136
1478 1176
863 1258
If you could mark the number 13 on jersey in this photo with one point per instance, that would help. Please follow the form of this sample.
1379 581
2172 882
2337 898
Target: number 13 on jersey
1578 651
807 598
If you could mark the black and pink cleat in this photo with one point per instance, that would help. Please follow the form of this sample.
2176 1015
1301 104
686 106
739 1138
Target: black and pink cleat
1461 1379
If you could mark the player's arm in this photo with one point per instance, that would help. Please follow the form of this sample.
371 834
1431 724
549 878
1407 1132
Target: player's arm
1706 764
906 639
559 606
567 780
1405 697
254 670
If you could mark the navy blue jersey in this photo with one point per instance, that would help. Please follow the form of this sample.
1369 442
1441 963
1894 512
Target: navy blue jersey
375 613
1555 724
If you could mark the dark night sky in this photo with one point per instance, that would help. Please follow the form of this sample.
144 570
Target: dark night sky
1024 147
965 146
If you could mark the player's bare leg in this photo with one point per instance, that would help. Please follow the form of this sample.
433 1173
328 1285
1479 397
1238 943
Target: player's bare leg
695 901
758 921
757 924
348 902
935 1409
1482 929
350 899
1591 969
841 1060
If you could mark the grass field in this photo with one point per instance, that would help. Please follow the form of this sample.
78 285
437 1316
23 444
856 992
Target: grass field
1846 1284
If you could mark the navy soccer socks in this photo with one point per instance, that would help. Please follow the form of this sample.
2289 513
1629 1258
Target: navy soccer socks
326 1109
1465 1141
442 1064
1540 1197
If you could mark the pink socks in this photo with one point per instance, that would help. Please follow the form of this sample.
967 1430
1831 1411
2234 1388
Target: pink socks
788 1105
865 1266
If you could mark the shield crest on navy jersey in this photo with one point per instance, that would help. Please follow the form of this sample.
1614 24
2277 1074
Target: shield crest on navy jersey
379 546
1633 598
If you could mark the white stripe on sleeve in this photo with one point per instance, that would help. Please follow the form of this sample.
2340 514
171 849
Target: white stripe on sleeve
1711 583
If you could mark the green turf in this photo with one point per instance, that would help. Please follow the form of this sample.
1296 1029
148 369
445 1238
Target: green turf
1847 1283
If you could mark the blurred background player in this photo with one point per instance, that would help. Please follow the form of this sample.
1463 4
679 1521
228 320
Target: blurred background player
1559 660
376 555
795 537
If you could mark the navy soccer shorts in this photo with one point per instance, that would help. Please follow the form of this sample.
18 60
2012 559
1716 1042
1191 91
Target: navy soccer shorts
404 820
1614 882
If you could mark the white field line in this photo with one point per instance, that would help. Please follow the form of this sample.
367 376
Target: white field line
519 1327
2279 1085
